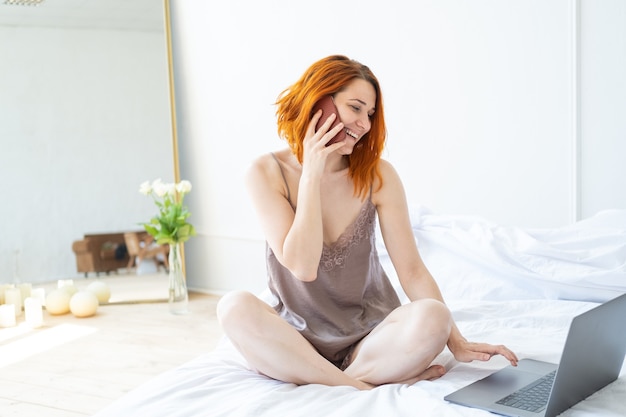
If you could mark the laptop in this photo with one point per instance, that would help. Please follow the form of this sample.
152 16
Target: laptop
592 358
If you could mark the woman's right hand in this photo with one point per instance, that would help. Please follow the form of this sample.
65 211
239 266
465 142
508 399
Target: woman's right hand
315 150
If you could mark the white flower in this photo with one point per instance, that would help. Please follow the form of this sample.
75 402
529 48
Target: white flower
170 189
183 187
159 188
145 188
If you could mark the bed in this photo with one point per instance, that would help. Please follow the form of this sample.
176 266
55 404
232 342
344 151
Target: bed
503 285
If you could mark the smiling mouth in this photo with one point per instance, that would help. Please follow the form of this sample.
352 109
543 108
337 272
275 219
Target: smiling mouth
352 134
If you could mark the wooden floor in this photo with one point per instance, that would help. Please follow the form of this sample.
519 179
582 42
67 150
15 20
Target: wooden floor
75 367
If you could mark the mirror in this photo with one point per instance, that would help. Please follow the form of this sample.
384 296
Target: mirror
85 120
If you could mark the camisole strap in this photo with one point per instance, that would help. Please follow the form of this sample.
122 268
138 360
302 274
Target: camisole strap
284 179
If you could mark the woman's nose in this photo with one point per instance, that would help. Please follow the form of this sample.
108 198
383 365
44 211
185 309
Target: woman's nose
363 122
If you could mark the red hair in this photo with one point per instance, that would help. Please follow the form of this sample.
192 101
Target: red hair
327 76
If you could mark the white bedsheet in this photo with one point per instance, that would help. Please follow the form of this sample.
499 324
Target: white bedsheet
503 285
472 258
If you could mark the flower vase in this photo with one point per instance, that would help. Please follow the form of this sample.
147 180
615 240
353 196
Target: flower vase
178 297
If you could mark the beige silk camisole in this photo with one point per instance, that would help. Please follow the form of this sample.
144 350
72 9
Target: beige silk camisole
351 295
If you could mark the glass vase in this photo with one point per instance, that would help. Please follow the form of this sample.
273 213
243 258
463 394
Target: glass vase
178 297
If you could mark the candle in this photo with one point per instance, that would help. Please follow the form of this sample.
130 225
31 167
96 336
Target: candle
101 290
14 296
40 294
58 302
25 289
33 311
84 304
3 288
67 285
7 315
63 282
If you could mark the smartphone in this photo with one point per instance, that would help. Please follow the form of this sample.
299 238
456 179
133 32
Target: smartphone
328 107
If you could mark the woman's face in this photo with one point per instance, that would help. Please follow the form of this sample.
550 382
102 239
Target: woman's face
355 105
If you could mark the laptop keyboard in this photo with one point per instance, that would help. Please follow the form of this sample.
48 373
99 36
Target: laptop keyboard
533 397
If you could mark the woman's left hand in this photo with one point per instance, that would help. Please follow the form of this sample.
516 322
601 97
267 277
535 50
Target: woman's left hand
465 351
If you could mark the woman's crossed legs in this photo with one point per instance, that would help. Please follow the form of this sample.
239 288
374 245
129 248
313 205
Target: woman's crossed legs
399 350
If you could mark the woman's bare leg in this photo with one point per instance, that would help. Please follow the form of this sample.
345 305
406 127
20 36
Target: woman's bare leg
402 347
273 347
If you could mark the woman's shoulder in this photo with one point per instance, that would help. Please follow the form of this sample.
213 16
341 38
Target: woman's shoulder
387 171
271 159
391 183
267 175
265 162
268 167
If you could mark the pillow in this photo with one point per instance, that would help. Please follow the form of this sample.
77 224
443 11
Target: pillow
473 259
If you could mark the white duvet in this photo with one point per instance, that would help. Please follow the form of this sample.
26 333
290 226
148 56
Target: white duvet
503 285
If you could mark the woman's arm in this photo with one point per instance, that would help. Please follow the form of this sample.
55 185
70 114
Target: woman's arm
415 279
395 226
295 238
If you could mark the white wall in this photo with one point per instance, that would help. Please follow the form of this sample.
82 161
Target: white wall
483 101
603 105
84 119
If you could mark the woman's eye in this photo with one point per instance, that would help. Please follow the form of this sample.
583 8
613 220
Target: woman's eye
355 108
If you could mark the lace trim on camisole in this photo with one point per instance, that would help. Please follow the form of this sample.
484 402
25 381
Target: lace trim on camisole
335 254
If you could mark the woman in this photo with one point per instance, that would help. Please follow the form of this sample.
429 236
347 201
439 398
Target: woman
337 319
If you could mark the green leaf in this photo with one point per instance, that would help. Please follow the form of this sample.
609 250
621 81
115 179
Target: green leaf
170 225
151 230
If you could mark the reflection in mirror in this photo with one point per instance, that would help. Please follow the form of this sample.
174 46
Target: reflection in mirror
85 119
